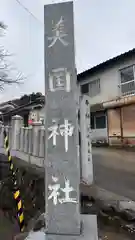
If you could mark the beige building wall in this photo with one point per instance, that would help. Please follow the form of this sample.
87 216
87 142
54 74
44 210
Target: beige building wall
109 82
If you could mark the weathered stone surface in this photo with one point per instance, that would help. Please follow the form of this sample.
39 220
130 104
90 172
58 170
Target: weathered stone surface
127 215
40 223
21 236
129 227
61 124
110 208
31 236
89 230
36 236
127 205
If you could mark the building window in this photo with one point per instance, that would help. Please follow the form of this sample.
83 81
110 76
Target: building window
98 120
127 84
41 119
85 88
92 121
94 88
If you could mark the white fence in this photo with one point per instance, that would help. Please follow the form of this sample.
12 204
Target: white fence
26 143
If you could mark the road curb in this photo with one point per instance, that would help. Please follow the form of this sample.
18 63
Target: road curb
125 148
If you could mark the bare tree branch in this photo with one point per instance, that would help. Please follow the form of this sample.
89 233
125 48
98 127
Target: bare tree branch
8 74
2 25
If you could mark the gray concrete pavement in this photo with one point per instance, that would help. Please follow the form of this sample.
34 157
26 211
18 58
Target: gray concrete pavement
114 170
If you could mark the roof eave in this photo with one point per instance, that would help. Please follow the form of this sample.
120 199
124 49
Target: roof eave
104 65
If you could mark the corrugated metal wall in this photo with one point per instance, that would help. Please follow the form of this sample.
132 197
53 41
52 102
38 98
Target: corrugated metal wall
128 124
114 126
121 125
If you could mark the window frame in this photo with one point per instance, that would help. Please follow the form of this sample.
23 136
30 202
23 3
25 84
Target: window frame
99 88
95 116
121 84
87 83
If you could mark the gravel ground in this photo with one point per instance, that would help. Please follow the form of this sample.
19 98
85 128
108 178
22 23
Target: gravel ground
109 233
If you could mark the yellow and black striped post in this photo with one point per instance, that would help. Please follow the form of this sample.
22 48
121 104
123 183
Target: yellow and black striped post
17 195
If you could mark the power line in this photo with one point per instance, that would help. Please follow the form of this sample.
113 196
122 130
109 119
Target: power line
27 10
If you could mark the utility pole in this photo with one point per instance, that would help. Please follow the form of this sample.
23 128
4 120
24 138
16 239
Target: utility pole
62 165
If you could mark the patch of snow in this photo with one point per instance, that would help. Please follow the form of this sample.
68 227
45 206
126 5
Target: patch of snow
36 236
127 205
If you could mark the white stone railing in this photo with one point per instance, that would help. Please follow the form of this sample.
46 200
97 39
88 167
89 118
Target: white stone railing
26 143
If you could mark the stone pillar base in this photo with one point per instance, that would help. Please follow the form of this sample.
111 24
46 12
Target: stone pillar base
89 230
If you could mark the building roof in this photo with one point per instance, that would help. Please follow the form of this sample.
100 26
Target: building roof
104 65
37 103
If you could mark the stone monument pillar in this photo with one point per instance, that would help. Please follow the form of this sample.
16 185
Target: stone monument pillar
62 174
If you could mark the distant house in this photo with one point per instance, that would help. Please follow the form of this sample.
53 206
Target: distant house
37 114
111 88
14 107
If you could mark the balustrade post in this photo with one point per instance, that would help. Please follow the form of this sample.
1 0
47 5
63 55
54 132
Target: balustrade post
35 138
1 135
17 122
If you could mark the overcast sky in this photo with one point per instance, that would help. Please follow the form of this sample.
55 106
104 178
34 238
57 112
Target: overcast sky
103 29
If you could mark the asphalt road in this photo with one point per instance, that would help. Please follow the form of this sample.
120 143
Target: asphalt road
114 170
